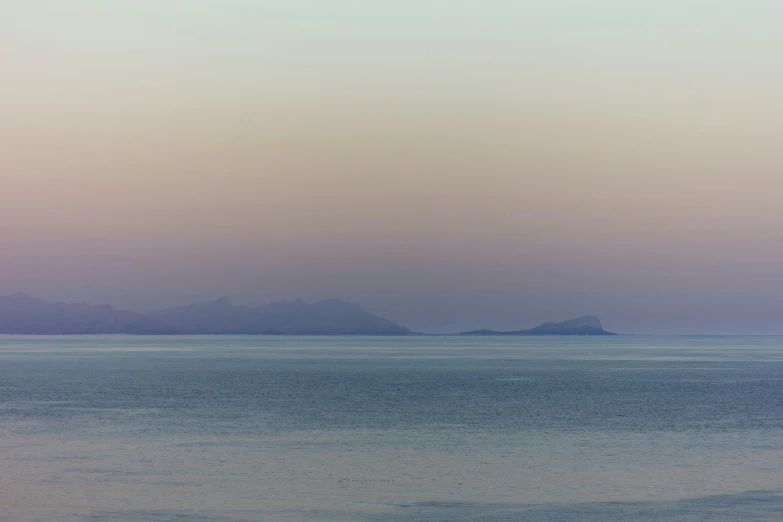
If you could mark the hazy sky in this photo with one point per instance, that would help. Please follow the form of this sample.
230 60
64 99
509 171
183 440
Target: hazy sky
447 164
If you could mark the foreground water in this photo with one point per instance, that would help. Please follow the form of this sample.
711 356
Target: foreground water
390 429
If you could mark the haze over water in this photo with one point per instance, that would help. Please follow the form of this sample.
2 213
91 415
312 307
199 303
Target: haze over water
449 164
390 429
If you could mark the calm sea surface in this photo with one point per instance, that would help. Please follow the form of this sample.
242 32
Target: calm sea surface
391 429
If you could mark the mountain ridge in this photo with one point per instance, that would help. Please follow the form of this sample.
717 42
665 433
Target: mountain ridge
24 314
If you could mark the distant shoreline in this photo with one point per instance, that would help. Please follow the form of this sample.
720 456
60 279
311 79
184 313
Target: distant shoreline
22 314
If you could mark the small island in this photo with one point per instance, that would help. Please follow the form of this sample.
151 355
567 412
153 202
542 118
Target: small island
586 325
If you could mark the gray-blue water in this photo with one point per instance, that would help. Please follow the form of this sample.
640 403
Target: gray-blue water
391 429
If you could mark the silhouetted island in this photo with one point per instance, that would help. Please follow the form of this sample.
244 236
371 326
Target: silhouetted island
23 314
587 325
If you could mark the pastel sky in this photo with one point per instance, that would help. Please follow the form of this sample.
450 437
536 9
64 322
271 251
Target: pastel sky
448 164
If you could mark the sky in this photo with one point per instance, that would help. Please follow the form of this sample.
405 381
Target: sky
450 165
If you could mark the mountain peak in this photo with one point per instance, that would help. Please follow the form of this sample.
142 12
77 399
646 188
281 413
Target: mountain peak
590 321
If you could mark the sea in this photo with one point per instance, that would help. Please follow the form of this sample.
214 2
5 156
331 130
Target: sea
420 428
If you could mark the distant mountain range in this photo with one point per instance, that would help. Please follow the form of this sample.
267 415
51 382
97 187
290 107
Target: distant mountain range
587 325
23 314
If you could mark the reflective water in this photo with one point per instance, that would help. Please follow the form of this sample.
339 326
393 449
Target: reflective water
387 429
